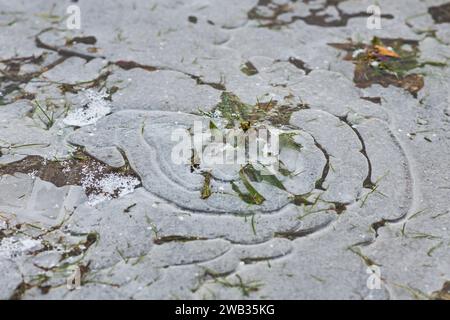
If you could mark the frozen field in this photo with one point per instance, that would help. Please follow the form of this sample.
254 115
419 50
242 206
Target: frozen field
95 205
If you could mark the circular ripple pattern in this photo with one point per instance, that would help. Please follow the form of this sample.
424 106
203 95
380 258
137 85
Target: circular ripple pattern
337 168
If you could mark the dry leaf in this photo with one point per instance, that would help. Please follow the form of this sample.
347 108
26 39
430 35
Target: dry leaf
386 52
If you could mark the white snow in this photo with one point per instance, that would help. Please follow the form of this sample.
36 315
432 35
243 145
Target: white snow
94 108
33 174
111 185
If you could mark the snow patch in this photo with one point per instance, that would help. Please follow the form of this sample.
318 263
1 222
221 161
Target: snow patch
94 108
108 186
